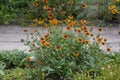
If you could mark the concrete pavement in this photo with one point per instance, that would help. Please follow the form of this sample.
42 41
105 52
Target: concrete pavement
10 37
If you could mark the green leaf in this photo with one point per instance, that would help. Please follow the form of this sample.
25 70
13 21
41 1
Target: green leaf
77 7
47 68
2 72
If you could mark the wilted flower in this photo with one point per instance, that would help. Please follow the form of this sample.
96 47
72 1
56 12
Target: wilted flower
68 28
35 4
84 5
108 49
100 29
76 54
45 1
27 58
70 2
62 12
46 7
57 48
83 22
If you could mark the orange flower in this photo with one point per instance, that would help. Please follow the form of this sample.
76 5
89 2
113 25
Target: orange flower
53 22
79 40
99 40
84 5
108 49
42 39
67 28
100 29
70 17
35 4
49 9
114 11
86 42
111 7
43 43
46 7
27 58
87 34
64 36
85 28
62 12
57 48
45 1
79 30
40 22
83 22
70 2
67 20
76 54
75 23
50 15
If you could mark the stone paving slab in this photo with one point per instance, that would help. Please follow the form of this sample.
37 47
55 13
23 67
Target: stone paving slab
12 37
96 31
12 45
111 38
17 30
115 47
2 29
20 30
112 30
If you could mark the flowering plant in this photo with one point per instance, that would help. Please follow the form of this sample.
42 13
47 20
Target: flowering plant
62 52
110 12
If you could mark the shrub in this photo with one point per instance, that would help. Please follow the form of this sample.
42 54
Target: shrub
60 53
107 73
2 66
46 10
15 11
109 12
15 74
13 58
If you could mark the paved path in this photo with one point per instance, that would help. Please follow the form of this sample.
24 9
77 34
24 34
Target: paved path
10 37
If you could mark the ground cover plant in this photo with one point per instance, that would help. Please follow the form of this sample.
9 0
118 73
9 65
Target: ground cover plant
13 58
